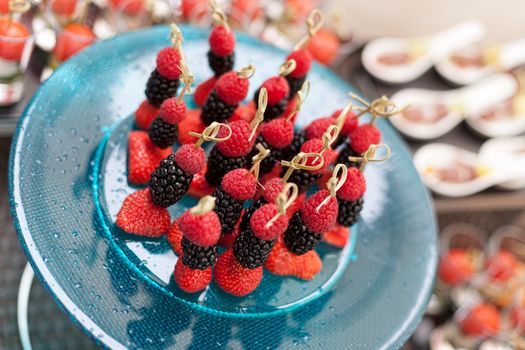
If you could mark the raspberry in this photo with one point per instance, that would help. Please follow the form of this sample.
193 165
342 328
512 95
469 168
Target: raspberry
219 165
197 257
201 229
282 262
278 133
169 182
220 64
319 220
349 211
364 136
173 111
174 237
231 88
483 320
162 134
228 210
145 114
350 123
303 59
203 90
216 110
456 267
502 266
347 151
192 122
190 158
159 89
233 278
191 280
260 218
222 41
241 184
238 144
143 157
354 187
272 188
140 216
295 85
272 111
250 251
277 88
337 236
168 61
316 145
318 127
299 138
244 112
199 187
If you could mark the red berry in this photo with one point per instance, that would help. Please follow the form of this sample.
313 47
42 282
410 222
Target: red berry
4 7
192 122
277 88
174 238
191 280
240 184
354 187
502 266
145 114
517 317
173 111
194 10
292 102
337 236
318 127
350 123
201 229
140 216
364 136
203 91
168 61
190 158
72 39
231 88
63 7
316 146
244 112
199 187
222 41
233 278
303 59
278 132
143 157
323 219
456 267
238 144
18 34
483 320
282 262
260 218
324 46
272 188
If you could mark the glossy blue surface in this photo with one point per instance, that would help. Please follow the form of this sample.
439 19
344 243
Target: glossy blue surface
60 143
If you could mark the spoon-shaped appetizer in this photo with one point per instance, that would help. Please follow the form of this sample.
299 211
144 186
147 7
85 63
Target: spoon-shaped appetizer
399 60
471 64
505 150
434 113
454 172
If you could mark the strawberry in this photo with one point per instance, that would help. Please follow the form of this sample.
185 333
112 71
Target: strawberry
143 157
192 122
199 186
174 237
72 39
324 46
203 91
282 262
145 114
233 278
191 280
338 236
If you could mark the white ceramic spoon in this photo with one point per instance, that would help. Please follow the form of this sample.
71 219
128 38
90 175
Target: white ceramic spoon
471 64
399 60
455 172
434 113
504 151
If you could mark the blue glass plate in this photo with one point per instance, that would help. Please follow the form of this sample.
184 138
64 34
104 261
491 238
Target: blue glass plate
67 179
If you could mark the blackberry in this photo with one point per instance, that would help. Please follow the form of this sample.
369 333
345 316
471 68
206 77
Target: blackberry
159 89
295 84
245 222
271 112
269 162
216 110
349 211
298 238
295 147
251 251
347 151
197 257
168 182
303 178
220 64
228 210
162 134
219 165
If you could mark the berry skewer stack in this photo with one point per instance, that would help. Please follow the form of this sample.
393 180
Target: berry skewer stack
234 153
239 270
201 230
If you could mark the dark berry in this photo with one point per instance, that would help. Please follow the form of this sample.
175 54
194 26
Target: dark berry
159 89
168 182
220 64
303 178
250 251
345 152
349 211
245 222
162 134
294 148
228 210
298 238
197 257
295 84
274 111
216 110
219 165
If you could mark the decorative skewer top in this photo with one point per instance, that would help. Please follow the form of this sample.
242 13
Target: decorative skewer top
284 200
381 107
301 97
205 205
218 16
335 182
368 156
287 67
300 161
257 159
259 114
210 133
246 72
314 23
